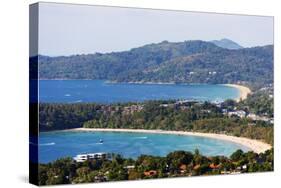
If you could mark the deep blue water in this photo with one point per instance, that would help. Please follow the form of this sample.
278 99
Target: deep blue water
74 91
54 145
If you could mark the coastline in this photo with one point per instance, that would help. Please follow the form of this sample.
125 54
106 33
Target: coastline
243 91
254 145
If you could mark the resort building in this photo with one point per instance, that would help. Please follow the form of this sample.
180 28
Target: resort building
89 156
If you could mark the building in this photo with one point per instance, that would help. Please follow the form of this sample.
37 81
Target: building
183 168
150 173
132 109
239 113
252 116
89 156
255 117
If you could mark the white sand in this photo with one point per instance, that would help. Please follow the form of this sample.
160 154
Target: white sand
244 91
254 145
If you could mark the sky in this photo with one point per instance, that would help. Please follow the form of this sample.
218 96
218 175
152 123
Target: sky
66 29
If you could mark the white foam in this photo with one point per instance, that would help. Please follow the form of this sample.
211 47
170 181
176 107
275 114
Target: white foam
67 95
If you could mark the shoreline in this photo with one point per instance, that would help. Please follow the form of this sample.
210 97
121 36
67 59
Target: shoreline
243 91
254 145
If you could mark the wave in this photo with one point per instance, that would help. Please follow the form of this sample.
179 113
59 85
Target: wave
141 137
47 144
44 144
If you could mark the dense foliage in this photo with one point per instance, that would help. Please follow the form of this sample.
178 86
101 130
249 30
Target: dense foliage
259 103
175 164
164 115
65 116
182 62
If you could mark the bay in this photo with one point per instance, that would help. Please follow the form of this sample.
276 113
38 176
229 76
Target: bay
58 144
100 91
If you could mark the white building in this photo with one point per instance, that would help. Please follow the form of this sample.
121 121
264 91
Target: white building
89 156
239 113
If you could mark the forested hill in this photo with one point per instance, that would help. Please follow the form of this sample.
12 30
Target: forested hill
181 62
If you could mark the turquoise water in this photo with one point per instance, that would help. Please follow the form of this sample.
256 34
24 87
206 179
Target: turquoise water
74 91
54 145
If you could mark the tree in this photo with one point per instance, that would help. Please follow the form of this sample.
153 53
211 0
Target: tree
237 155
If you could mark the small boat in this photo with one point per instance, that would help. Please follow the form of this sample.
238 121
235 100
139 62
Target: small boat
101 141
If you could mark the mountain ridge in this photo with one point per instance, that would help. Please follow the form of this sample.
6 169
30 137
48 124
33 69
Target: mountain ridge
227 43
180 62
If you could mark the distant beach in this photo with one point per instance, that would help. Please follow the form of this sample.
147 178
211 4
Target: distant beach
243 90
254 145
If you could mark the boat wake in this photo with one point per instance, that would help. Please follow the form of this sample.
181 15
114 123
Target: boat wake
99 143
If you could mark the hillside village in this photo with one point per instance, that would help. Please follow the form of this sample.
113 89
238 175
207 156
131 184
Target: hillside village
114 167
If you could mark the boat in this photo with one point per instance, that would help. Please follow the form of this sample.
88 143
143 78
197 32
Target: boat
101 141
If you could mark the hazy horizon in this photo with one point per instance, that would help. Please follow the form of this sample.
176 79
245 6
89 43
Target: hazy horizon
67 29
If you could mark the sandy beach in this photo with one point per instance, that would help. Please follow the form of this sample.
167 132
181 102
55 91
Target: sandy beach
254 145
244 91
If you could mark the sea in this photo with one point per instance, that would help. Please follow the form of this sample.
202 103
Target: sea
101 91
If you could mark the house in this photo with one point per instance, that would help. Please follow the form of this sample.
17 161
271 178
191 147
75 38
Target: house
225 172
213 166
129 167
183 168
212 73
132 109
224 111
100 178
239 113
260 118
207 111
150 173
252 116
181 102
